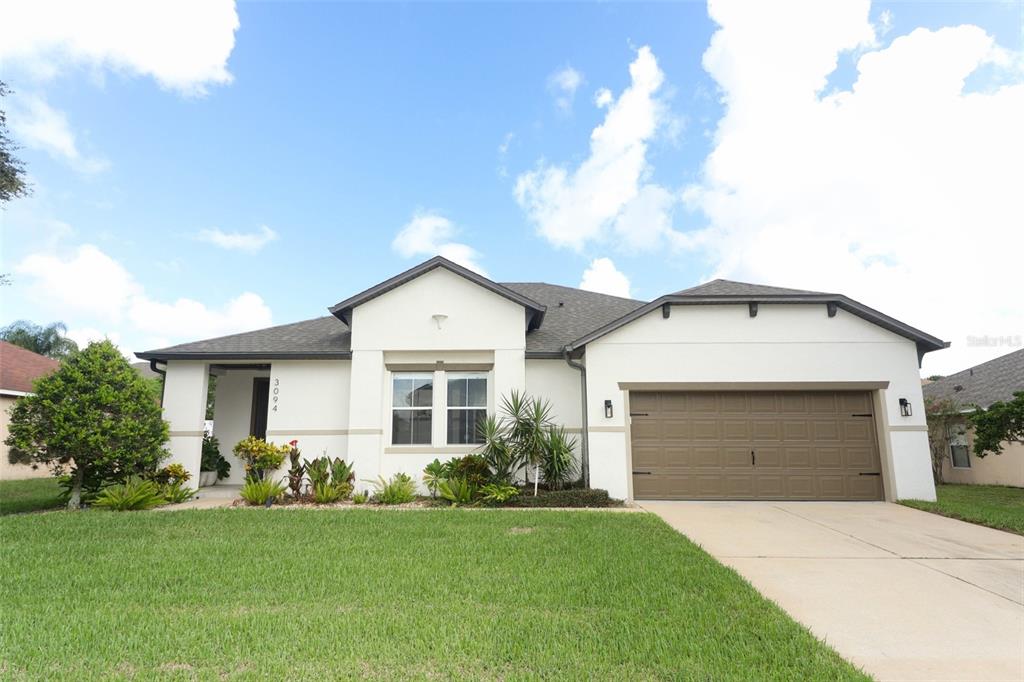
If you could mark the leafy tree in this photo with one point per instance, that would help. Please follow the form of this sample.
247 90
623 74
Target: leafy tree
49 340
1001 422
943 417
12 170
94 418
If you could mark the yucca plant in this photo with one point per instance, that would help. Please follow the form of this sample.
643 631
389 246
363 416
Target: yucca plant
457 490
528 419
503 459
257 491
132 495
558 464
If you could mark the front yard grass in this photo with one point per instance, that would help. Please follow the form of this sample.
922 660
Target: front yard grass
439 594
995 506
32 494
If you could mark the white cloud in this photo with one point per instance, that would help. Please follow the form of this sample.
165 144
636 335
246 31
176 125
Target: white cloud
36 124
902 192
570 207
250 242
603 97
563 84
603 277
430 234
90 285
184 45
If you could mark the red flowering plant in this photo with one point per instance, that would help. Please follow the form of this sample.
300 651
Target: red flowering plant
297 470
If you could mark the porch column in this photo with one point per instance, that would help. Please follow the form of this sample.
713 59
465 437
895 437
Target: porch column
366 414
185 388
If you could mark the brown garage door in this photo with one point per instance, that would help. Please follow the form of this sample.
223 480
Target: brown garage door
782 445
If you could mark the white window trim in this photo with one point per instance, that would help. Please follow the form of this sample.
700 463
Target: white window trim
955 440
395 376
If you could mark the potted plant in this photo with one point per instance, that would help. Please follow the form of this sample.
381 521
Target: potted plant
212 466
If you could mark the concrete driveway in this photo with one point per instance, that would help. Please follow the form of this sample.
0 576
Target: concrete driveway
901 593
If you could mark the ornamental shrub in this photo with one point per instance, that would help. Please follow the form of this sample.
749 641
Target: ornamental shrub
259 456
94 418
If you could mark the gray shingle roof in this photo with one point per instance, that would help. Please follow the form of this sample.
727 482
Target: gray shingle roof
982 384
570 314
728 287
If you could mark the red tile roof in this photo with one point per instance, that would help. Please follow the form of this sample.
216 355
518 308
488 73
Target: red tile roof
20 367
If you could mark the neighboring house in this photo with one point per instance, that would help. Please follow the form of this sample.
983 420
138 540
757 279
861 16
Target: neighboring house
18 369
723 391
980 386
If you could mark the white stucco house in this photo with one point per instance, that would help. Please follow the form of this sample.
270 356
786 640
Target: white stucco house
722 391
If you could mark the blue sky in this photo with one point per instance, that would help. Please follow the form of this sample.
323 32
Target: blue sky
343 123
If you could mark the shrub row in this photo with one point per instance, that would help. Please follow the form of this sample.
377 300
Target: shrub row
572 497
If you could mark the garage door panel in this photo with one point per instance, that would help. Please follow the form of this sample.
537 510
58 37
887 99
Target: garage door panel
807 445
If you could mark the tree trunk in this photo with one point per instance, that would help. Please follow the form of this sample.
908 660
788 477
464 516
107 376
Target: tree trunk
536 478
75 500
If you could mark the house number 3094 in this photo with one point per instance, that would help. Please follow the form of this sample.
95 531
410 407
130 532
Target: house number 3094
276 393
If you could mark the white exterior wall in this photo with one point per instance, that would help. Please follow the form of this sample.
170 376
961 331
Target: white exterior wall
185 388
232 415
783 343
309 402
397 327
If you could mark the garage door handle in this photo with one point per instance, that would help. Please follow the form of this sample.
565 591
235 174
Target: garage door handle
638 414
753 459
864 414
870 473
642 473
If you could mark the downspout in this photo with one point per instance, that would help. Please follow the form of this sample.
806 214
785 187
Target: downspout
585 433
163 381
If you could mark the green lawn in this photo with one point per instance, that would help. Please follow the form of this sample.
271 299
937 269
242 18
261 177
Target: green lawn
31 494
996 506
439 594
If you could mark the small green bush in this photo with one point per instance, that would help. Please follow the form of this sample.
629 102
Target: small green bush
132 495
257 492
498 492
259 456
319 471
457 490
176 493
212 460
400 489
572 497
171 474
360 498
325 493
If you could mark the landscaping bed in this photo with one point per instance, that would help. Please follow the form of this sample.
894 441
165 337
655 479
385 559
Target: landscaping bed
245 594
995 506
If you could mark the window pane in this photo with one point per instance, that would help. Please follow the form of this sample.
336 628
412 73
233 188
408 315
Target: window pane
464 426
423 393
456 392
410 427
961 458
412 390
477 392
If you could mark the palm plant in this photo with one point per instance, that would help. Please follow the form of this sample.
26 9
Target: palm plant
496 450
528 421
558 463
50 340
433 474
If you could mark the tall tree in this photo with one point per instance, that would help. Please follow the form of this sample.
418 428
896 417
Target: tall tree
94 418
50 340
943 417
12 170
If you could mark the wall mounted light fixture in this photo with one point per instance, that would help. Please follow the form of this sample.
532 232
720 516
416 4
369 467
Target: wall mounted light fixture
905 407
439 318
608 409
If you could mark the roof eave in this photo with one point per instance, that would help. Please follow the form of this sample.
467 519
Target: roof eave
295 355
925 342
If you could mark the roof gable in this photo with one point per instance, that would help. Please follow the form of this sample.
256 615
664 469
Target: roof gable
343 310
728 287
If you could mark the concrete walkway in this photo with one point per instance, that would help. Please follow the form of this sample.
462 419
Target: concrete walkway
210 497
903 594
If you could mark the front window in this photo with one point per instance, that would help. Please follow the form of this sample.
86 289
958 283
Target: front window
958 450
467 407
411 409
